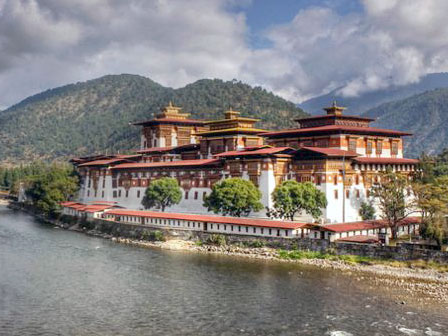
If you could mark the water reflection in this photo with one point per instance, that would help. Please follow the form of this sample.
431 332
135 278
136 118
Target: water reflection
55 282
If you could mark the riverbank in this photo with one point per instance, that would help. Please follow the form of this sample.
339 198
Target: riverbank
426 282
4 201
431 280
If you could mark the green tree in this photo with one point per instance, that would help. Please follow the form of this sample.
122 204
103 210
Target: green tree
235 197
432 201
162 193
390 194
291 198
367 211
46 190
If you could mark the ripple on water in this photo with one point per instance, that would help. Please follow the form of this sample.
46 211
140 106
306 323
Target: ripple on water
56 281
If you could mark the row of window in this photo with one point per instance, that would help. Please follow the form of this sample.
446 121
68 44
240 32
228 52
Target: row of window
212 227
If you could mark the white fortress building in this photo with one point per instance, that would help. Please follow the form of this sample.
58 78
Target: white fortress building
341 154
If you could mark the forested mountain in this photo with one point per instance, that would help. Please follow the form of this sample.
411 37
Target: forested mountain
366 101
425 115
90 117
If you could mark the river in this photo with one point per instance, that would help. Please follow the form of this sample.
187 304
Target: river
57 282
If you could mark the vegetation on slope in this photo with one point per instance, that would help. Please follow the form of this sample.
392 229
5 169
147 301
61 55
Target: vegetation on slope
425 115
90 117
368 100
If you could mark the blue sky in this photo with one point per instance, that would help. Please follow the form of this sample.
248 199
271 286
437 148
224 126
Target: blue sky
296 48
264 14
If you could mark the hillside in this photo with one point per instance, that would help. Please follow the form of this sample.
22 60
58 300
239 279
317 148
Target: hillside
425 115
90 117
366 101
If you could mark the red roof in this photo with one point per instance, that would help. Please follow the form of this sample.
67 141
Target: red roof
68 203
209 219
103 202
180 163
336 128
363 225
102 162
95 208
262 151
333 116
385 160
360 239
330 151
155 149
170 120
88 207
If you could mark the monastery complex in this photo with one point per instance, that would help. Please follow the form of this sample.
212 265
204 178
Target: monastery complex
341 154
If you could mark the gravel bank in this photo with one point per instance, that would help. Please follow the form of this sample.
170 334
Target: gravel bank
425 282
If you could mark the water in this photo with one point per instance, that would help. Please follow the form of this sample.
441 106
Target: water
56 282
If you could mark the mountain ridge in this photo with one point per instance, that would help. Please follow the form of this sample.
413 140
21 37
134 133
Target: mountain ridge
366 101
424 114
89 117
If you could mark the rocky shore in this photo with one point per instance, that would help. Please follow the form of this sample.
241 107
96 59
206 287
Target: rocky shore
416 282
424 283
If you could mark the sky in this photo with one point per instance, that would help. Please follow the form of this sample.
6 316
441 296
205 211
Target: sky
296 48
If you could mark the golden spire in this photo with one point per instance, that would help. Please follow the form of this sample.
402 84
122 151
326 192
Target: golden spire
334 109
231 114
172 111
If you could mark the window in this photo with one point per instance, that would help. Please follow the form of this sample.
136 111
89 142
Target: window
379 146
88 185
270 231
88 193
335 194
186 196
102 194
195 195
204 194
239 228
255 230
119 193
127 193
369 147
95 193
394 148
262 230
357 193
286 233
335 180
352 145
347 194
104 181
138 193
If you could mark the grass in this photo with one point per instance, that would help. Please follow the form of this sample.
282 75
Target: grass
355 259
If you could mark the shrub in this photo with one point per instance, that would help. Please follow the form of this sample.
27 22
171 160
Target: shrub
217 239
157 236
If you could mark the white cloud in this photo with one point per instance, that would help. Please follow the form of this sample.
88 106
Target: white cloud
393 42
47 43
174 42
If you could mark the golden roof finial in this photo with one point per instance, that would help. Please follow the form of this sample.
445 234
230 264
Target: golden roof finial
334 109
231 114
